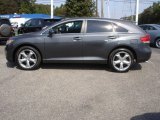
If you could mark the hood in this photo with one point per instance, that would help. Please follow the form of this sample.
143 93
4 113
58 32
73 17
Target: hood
26 35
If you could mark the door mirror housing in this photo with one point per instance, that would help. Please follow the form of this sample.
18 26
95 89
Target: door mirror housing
51 32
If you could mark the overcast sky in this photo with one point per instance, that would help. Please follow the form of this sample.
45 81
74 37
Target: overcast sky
118 8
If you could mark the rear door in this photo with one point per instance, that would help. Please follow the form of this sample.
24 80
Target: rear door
97 38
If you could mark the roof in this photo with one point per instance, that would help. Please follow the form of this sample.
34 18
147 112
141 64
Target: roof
95 18
91 18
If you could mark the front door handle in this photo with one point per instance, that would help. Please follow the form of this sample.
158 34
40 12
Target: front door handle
112 37
77 38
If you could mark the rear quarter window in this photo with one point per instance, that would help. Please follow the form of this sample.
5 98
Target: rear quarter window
118 28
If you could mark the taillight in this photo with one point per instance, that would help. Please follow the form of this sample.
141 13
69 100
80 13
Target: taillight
145 39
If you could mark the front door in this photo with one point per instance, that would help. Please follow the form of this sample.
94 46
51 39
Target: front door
66 42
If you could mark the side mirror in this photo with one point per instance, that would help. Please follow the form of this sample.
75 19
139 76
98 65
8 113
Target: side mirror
50 33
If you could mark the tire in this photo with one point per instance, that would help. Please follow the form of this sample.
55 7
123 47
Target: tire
157 43
5 30
28 58
121 60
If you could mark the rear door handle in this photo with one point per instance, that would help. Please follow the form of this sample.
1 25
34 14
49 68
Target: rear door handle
112 37
77 38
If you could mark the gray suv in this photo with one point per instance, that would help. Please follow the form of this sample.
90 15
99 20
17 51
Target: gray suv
81 40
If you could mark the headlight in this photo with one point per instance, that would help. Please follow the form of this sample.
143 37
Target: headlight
9 42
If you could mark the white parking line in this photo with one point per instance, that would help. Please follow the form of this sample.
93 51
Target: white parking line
151 62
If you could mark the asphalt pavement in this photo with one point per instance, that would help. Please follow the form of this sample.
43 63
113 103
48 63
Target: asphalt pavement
80 92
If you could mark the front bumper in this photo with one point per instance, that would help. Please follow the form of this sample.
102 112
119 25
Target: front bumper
9 52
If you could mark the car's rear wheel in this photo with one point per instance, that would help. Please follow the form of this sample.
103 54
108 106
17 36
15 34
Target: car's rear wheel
157 43
28 58
121 60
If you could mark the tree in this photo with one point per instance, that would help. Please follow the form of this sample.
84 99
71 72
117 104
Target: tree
80 8
27 6
60 11
151 14
17 6
8 6
42 9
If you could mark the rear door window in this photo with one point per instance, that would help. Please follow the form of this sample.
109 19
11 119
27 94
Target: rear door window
36 23
94 26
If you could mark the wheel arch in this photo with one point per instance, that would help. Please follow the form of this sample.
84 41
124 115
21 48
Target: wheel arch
125 47
157 38
22 45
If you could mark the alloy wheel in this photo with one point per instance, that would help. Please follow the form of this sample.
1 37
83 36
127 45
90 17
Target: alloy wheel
27 59
158 43
122 61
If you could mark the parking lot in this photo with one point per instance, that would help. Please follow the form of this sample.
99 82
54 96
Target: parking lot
80 92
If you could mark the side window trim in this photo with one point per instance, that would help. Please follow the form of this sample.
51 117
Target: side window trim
82 29
85 26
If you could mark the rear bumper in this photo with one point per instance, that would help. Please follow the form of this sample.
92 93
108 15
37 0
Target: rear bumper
143 53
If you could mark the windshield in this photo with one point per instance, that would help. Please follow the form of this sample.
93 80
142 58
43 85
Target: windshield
27 23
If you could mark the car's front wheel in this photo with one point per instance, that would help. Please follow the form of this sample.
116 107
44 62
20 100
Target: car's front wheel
121 60
28 58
